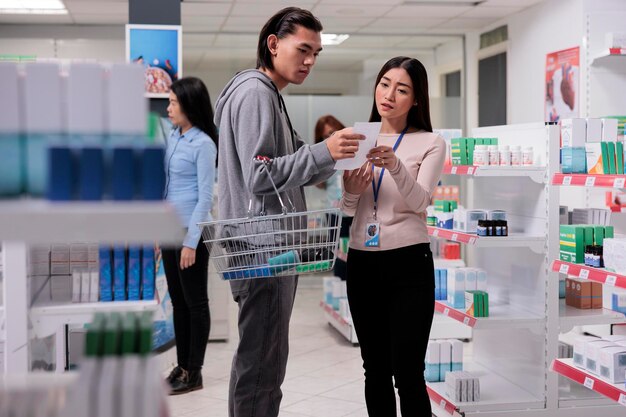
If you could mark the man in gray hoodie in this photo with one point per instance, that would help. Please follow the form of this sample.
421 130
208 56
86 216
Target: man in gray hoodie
253 121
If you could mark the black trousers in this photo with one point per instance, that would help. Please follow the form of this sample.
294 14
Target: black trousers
392 314
188 291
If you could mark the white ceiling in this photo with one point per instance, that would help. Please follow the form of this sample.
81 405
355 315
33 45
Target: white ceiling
223 33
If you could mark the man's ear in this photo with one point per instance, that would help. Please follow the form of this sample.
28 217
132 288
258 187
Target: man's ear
272 43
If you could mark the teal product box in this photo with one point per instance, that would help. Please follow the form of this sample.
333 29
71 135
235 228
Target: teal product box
437 284
561 288
119 273
444 284
445 358
106 276
147 273
618 302
611 156
456 288
134 273
43 120
283 262
573 161
457 355
431 362
11 168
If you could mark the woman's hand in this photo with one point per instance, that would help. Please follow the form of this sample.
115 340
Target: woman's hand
383 157
187 257
357 180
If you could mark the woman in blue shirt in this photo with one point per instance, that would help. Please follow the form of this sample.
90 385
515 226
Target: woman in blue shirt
190 165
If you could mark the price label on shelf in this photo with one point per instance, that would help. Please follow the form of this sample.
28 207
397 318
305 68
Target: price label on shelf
453 170
610 280
584 273
589 382
466 321
567 180
455 236
436 232
443 404
470 171
564 269
472 240
619 182
446 311
622 399
590 181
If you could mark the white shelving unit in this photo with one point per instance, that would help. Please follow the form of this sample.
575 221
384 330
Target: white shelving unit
343 326
24 222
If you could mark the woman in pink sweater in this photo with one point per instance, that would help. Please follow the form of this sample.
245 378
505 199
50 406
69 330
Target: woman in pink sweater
392 310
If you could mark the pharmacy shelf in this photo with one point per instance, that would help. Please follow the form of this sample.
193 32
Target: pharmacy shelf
500 317
536 243
571 316
566 368
619 56
496 394
589 180
37 221
593 274
47 319
442 263
536 173
342 325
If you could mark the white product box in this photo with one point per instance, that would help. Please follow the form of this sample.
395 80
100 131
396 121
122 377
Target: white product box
454 386
85 286
592 354
612 364
344 308
431 373
496 215
9 116
42 92
93 252
445 358
614 338
481 280
76 286
94 286
593 154
85 112
456 287
609 130
594 130
79 253
573 133
467 220
74 265
469 386
457 355
127 108
579 349
61 288
470 279
614 254
615 40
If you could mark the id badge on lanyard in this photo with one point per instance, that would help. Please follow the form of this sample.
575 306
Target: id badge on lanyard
372 226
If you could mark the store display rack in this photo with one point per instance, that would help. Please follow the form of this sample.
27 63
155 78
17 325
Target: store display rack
343 326
500 316
587 272
536 173
571 316
566 368
513 240
589 180
26 221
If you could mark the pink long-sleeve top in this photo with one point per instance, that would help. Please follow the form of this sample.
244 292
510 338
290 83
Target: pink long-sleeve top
405 193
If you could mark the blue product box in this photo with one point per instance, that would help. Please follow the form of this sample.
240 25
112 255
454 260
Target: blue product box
152 173
119 273
437 284
147 273
134 272
444 284
123 174
261 272
91 174
106 283
11 169
61 174
573 161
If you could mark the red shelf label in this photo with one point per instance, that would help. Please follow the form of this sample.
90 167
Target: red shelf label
444 403
457 315
593 274
590 180
459 169
589 381
452 235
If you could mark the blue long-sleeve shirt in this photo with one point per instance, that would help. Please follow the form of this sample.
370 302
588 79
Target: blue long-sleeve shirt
189 179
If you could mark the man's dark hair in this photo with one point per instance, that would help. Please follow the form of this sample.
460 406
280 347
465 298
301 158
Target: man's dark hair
283 23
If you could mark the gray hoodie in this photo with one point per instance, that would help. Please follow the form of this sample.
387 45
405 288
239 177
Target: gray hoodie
253 120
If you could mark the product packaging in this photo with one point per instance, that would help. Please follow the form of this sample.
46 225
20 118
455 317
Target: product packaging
12 168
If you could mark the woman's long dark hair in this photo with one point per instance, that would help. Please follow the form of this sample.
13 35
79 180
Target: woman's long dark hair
195 102
419 116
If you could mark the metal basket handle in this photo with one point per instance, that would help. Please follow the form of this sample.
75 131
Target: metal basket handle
266 161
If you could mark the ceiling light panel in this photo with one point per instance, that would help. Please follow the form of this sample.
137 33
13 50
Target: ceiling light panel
32 7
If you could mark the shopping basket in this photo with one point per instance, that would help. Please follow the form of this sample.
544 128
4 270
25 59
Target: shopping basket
261 246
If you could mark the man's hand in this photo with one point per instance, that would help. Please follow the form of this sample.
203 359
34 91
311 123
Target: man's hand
343 144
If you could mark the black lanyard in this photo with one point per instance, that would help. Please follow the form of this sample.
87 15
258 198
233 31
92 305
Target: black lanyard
375 188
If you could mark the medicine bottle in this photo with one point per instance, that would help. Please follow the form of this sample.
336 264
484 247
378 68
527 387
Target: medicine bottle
494 155
505 155
516 155
527 156
481 155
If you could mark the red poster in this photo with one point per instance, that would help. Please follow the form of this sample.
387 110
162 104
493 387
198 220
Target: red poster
562 84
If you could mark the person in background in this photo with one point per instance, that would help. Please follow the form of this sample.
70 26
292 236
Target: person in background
253 121
324 128
388 197
190 165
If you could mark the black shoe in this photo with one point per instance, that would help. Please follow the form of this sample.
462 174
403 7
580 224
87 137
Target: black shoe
189 381
174 375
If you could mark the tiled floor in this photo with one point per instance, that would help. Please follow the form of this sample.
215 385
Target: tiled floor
324 374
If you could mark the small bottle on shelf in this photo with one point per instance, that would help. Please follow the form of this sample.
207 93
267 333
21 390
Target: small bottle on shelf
505 155
527 156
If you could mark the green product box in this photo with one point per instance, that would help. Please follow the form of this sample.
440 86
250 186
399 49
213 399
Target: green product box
439 205
455 150
479 141
605 157
608 232
611 152
589 237
453 205
444 206
598 235
478 301
572 240
490 141
485 303
464 151
619 157
471 142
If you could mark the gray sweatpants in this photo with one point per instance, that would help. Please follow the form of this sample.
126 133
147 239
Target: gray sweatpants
260 360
